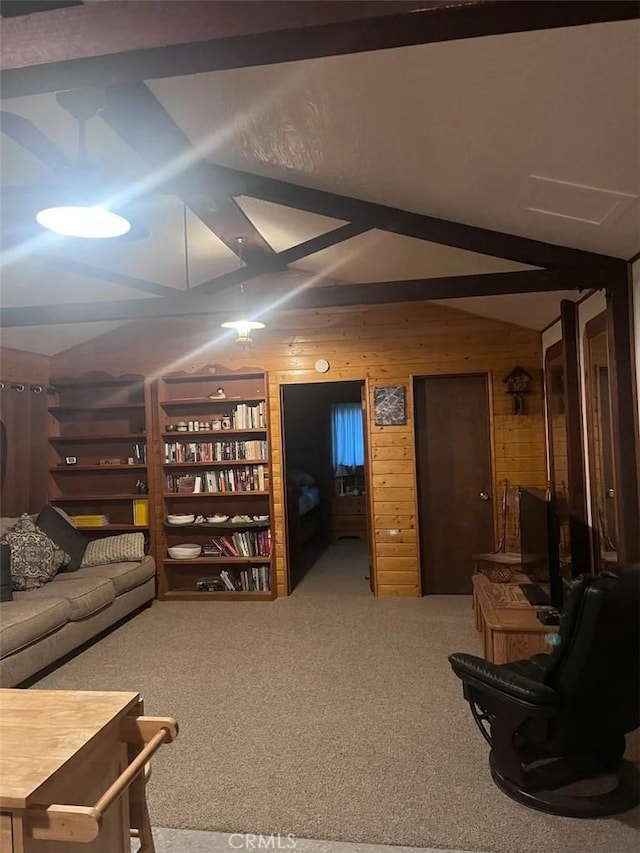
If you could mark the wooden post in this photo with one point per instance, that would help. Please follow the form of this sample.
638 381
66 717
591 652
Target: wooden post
624 417
579 533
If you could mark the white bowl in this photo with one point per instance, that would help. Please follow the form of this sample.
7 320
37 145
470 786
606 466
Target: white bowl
217 519
181 518
185 551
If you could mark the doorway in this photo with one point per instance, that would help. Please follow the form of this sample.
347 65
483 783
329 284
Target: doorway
454 478
326 482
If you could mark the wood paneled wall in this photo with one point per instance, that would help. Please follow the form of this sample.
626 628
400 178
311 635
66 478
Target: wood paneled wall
382 345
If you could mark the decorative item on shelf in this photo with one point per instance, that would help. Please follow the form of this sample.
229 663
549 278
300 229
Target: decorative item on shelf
517 382
169 427
341 472
226 423
141 488
218 394
182 426
111 460
389 405
70 460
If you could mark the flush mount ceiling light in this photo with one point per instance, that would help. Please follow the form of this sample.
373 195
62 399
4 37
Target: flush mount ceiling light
87 221
245 326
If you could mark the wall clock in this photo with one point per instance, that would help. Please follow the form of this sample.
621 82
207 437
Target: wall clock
322 365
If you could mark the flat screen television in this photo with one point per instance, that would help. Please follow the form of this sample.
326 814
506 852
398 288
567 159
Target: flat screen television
540 542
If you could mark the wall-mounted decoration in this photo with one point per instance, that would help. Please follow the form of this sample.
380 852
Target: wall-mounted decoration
517 382
389 405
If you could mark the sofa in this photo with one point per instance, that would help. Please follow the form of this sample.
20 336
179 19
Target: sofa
40 626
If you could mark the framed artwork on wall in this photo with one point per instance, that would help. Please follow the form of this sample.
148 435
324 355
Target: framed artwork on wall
389 406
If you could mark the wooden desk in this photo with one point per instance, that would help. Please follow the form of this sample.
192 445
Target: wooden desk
72 770
508 623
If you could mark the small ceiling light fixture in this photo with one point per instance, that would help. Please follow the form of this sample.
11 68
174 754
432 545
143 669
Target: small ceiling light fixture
86 221
245 326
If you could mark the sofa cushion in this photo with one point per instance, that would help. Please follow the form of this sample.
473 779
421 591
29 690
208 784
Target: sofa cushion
35 559
125 547
5 572
124 576
28 618
85 595
64 534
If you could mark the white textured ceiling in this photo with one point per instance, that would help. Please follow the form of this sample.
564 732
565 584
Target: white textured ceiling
453 130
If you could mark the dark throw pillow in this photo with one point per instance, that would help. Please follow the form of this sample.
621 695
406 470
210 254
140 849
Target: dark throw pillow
5 572
64 535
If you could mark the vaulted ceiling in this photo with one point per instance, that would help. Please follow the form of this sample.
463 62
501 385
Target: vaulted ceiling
355 158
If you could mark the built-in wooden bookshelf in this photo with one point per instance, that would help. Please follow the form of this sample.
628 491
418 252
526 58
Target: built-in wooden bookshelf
213 459
98 451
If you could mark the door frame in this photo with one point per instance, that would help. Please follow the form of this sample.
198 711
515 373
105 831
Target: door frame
489 379
368 478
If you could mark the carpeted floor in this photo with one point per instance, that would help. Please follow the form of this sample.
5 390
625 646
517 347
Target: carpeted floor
328 714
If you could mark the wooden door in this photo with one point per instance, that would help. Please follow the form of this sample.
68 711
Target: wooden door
455 503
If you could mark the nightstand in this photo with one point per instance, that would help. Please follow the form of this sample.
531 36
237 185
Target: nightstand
348 517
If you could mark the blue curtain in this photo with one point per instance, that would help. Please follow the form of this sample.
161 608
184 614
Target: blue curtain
347 438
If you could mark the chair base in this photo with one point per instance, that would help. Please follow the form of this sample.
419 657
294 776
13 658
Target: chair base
539 790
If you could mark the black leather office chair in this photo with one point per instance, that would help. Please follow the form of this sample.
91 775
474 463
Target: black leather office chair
556 720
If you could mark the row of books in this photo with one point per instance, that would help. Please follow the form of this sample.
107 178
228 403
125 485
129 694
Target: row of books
246 416
90 520
250 543
140 454
255 579
214 451
248 478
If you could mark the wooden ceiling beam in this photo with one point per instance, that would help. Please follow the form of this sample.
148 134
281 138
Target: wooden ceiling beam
137 116
282 259
101 43
372 215
330 296
105 275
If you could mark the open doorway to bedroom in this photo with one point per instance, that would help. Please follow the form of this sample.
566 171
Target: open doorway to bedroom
325 463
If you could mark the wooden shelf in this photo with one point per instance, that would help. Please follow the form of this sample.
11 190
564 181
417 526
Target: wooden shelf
212 494
222 525
125 527
107 382
186 397
130 436
116 407
67 469
188 435
227 463
229 595
205 561
95 498
206 401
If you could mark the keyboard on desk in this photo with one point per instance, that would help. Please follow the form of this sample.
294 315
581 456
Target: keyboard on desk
535 595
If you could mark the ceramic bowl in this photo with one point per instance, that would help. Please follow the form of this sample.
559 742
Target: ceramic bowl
181 518
217 519
185 551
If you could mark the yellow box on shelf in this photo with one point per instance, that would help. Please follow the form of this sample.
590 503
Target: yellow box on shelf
90 520
141 512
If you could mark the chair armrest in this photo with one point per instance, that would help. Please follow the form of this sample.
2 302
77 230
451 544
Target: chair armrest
503 683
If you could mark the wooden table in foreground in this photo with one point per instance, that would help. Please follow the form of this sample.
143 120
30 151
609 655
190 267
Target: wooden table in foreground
510 629
72 769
